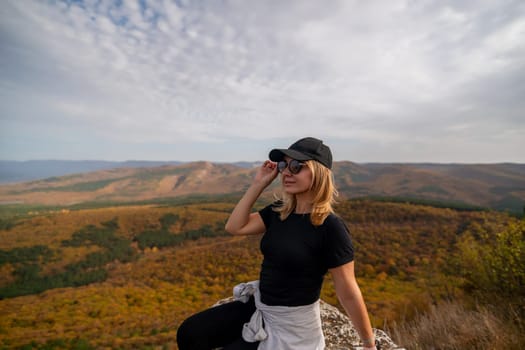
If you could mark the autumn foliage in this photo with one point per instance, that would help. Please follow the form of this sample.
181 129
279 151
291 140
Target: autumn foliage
125 277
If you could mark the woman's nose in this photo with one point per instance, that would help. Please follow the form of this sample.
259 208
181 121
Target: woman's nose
286 171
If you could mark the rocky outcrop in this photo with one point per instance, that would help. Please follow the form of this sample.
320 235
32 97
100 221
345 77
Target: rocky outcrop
339 332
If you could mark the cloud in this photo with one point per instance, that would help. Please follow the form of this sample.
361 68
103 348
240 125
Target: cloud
166 72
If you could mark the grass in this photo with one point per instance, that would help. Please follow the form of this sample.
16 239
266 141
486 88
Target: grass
451 325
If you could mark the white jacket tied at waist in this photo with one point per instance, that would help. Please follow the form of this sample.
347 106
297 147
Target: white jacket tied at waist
281 327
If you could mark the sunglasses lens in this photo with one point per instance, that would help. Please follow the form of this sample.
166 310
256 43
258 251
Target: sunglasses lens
282 165
295 166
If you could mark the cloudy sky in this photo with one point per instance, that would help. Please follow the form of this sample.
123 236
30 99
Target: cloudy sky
378 81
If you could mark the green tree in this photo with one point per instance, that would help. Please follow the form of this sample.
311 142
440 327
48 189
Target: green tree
495 265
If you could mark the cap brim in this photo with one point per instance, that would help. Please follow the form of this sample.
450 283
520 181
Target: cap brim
277 155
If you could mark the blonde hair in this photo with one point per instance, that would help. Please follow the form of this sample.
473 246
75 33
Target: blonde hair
324 195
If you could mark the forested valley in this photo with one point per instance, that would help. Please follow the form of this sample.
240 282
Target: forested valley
126 276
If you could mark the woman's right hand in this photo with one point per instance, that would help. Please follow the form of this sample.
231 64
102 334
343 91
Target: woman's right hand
266 173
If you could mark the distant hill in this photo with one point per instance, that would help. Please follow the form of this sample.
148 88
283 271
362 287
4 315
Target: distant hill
21 171
497 186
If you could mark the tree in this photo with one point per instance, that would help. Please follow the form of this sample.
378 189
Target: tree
495 265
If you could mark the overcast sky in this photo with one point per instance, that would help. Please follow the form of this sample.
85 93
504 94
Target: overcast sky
378 81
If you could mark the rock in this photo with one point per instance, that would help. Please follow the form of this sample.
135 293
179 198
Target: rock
339 332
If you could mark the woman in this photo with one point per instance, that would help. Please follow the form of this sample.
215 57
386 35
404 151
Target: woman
303 239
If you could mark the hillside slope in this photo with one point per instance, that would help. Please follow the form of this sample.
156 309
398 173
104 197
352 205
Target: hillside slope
498 186
126 277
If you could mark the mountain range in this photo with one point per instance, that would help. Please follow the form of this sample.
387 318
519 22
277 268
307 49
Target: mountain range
497 186
20 171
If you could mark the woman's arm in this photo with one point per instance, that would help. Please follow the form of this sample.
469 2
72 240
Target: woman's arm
242 221
351 298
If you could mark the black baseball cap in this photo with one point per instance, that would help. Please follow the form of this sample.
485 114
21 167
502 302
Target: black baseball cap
305 149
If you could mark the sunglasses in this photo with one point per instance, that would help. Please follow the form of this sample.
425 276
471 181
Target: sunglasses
294 166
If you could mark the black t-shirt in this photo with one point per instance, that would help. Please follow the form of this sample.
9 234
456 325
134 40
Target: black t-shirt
298 254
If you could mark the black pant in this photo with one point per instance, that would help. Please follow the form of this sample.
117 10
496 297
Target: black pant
219 326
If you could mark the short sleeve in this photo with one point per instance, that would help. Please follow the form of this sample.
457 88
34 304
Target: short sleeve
337 245
266 214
